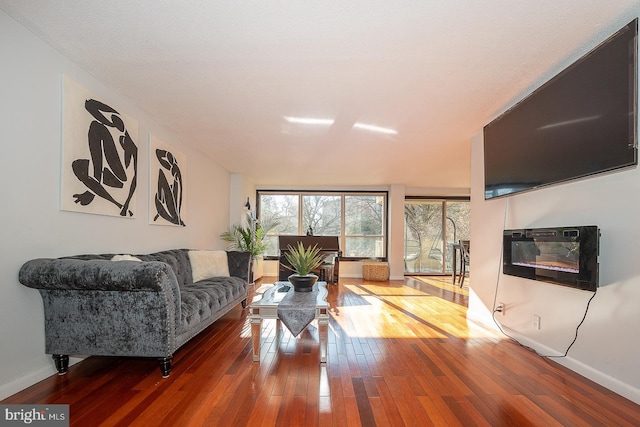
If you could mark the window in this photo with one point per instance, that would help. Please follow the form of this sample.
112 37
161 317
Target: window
432 226
278 214
364 225
358 219
322 214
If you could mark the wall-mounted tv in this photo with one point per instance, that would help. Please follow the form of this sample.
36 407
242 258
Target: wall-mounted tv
580 123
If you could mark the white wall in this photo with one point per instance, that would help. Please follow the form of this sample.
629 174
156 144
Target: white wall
241 188
31 222
607 348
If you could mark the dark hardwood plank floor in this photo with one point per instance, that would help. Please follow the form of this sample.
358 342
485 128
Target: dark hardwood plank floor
400 353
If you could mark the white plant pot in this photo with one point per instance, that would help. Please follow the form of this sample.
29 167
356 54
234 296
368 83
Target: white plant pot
258 268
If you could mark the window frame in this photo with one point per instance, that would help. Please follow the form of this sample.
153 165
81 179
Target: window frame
342 237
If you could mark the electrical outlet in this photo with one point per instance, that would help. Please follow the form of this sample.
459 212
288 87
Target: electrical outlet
501 307
536 321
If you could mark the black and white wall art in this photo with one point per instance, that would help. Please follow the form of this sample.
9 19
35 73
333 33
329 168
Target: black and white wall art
99 155
167 171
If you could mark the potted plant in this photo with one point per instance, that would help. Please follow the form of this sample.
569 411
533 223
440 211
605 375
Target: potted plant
303 262
248 238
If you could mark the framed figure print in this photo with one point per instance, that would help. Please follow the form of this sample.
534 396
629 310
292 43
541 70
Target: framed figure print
99 155
167 169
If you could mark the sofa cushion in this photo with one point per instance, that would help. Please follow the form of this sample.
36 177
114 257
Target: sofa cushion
177 259
208 297
207 264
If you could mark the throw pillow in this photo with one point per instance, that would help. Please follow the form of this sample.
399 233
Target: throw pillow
125 258
206 264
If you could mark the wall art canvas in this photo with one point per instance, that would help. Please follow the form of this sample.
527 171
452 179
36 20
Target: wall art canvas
167 170
99 155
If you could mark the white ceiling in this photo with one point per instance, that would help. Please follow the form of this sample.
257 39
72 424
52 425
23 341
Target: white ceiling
224 74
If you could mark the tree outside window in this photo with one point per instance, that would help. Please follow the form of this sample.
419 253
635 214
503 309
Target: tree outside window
323 214
282 210
364 224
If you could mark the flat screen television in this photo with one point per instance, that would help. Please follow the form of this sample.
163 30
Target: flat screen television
580 123
565 256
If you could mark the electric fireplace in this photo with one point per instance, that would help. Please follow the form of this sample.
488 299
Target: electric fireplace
565 256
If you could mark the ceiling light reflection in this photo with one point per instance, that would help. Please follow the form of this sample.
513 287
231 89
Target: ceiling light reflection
309 121
329 122
373 128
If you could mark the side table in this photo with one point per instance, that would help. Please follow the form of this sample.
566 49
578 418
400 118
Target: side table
375 270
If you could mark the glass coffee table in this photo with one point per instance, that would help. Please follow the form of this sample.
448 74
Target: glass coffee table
267 308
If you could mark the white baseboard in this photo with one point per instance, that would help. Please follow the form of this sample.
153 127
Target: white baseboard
623 389
31 378
626 390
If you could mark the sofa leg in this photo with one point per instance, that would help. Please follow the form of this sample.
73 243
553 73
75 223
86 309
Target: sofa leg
165 366
244 303
62 363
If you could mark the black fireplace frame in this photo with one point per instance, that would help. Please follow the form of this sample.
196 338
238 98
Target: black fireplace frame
583 239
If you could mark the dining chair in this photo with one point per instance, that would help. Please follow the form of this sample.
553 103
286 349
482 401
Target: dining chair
465 246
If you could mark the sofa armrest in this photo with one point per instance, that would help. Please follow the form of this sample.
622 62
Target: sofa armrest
98 275
88 302
239 264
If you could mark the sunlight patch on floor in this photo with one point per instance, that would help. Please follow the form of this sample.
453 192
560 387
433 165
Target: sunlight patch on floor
382 290
444 283
396 310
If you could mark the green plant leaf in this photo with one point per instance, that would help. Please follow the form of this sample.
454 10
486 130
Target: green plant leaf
249 238
303 261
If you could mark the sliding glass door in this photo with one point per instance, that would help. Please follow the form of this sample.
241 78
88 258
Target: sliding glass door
432 226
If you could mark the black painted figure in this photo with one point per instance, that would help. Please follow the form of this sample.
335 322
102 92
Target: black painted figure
108 163
169 196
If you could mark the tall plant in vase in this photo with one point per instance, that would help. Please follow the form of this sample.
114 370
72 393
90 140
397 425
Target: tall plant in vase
248 238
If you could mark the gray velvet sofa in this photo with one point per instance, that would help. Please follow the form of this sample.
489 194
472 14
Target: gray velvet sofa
146 307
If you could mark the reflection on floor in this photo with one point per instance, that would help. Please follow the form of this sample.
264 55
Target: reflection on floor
442 287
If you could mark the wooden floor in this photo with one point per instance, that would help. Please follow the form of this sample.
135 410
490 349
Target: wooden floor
400 353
